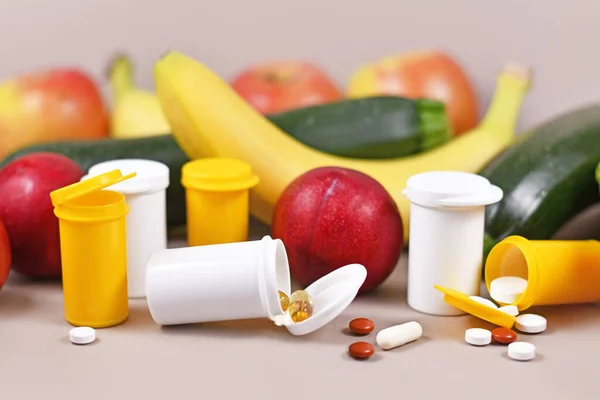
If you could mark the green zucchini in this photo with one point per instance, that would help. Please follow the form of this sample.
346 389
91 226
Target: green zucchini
548 177
370 128
159 148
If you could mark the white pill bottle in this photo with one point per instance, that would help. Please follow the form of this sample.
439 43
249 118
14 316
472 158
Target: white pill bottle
447 215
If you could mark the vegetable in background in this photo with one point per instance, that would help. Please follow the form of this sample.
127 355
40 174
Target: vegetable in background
547 177
424 74
209 119
85 154
377 127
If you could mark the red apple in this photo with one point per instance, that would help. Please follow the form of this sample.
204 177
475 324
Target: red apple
52 105
5 257
28 214
284 85
330 217
421 74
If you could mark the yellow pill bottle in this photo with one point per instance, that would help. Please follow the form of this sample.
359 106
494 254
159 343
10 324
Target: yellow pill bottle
93 244
217 200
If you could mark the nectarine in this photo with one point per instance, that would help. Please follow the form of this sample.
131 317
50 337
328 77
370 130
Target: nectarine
330 217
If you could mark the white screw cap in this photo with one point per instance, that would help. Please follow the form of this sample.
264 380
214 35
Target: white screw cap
82 335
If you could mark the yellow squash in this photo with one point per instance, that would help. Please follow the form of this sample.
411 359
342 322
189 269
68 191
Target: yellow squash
208 119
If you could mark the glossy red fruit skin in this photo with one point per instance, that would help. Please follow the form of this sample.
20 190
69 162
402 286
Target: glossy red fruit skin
5 255
330 217
28 214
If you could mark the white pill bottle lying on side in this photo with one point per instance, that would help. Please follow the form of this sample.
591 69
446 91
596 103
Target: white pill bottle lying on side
447 211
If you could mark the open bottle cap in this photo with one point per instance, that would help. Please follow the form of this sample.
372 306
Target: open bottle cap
63 195
150 175
331 295
464 303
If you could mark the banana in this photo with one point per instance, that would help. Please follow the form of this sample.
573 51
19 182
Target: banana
136 112
208 119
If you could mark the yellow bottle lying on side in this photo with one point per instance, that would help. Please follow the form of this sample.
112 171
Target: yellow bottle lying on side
209 119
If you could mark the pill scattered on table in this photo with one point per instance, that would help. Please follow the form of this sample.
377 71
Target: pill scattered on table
510 310
504 335
361 326
478 336
483 301
530 323
521 351
82 335
507 289
399 335
361 350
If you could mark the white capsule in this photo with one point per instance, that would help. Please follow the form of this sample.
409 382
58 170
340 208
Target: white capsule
399 335
483 301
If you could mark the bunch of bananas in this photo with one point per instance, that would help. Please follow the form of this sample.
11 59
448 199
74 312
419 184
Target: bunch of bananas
209 119
136 112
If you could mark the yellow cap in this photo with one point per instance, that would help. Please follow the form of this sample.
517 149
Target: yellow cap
87 186
218 174
463 302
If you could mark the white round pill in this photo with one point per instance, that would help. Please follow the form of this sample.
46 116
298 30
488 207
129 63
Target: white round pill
82 335
507 289
510 310
478 336
521 351
530 323
483 301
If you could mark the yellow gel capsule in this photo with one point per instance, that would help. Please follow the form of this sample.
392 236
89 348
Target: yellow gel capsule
284 300
301 307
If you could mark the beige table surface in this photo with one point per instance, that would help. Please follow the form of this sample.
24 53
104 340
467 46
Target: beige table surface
254 359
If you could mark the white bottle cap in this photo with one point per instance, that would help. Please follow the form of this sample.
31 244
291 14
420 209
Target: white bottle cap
451 189
240 281
150 175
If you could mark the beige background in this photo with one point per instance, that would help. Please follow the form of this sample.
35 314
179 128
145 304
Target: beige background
555 37
253 359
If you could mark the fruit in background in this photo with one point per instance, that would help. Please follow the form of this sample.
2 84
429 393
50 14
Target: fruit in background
198 103
27 212
548 177
425 74
330 217
136 112
5 256
278 86
52 105
374 128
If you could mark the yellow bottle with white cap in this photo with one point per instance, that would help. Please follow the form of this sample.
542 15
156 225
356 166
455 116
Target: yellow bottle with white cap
217 200
93 245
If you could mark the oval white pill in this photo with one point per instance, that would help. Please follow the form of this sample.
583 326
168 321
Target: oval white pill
82 335
478 336
398 335
521 351
483 301
510 310
507 289
530 323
